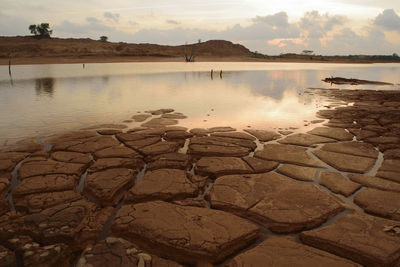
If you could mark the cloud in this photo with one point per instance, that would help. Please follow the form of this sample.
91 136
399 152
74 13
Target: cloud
388 20
316 26
171 21
91 26
271 34
11 26
92 20
280 19
111 16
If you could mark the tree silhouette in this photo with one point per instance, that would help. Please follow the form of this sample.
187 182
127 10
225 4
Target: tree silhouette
103 38
41 30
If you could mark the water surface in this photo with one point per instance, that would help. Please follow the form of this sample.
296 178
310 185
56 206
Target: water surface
43 99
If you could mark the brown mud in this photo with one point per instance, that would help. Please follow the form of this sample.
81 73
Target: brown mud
163 195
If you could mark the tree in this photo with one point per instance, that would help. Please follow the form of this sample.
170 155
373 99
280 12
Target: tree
395 55
103 38
41 30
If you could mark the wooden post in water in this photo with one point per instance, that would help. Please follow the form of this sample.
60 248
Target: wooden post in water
83 65
220 74
9 67
212 74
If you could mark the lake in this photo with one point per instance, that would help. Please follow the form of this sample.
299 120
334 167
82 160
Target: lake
43 99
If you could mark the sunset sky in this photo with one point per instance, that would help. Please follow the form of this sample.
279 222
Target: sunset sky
271 27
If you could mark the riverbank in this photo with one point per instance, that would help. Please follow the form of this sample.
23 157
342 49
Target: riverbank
26 50
127 59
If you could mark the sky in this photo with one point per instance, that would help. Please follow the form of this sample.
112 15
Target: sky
328 27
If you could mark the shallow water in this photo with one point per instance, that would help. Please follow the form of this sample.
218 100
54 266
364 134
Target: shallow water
42 99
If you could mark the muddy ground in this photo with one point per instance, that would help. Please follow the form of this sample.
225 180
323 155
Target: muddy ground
163 195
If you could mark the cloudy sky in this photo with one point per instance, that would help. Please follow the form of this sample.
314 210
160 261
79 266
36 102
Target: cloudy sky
271 27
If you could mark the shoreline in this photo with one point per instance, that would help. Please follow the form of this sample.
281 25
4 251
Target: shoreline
132 59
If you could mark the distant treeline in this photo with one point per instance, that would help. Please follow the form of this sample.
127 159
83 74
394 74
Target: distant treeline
349 58
374 57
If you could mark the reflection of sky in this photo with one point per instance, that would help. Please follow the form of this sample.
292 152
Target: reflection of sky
69 98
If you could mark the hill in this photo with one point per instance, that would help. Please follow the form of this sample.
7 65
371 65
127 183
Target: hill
20 48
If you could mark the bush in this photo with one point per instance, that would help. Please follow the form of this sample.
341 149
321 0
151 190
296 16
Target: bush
103 38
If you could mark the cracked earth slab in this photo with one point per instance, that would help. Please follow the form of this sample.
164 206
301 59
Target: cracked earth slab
217 166
358 237
220 146
189 235
237 135
176 116
381 203
345 162
334 133
390 170
108 187
8 161
374 182
302 139
159 122
160 111
85 145
33 203
287 154
353 148
263 135
108 131
170 161
29 148
71 157
116 152
282 251
162 184
221 129
140 117
297 172
160 148
177 135
276 202
337 183
259 165
47 167
45 183
103 164
108 125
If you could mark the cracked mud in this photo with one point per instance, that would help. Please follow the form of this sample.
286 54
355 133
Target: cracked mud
164 195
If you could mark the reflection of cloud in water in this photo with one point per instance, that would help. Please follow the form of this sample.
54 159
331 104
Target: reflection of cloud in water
266 83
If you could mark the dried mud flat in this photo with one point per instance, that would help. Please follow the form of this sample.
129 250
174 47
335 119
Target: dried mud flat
163 195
